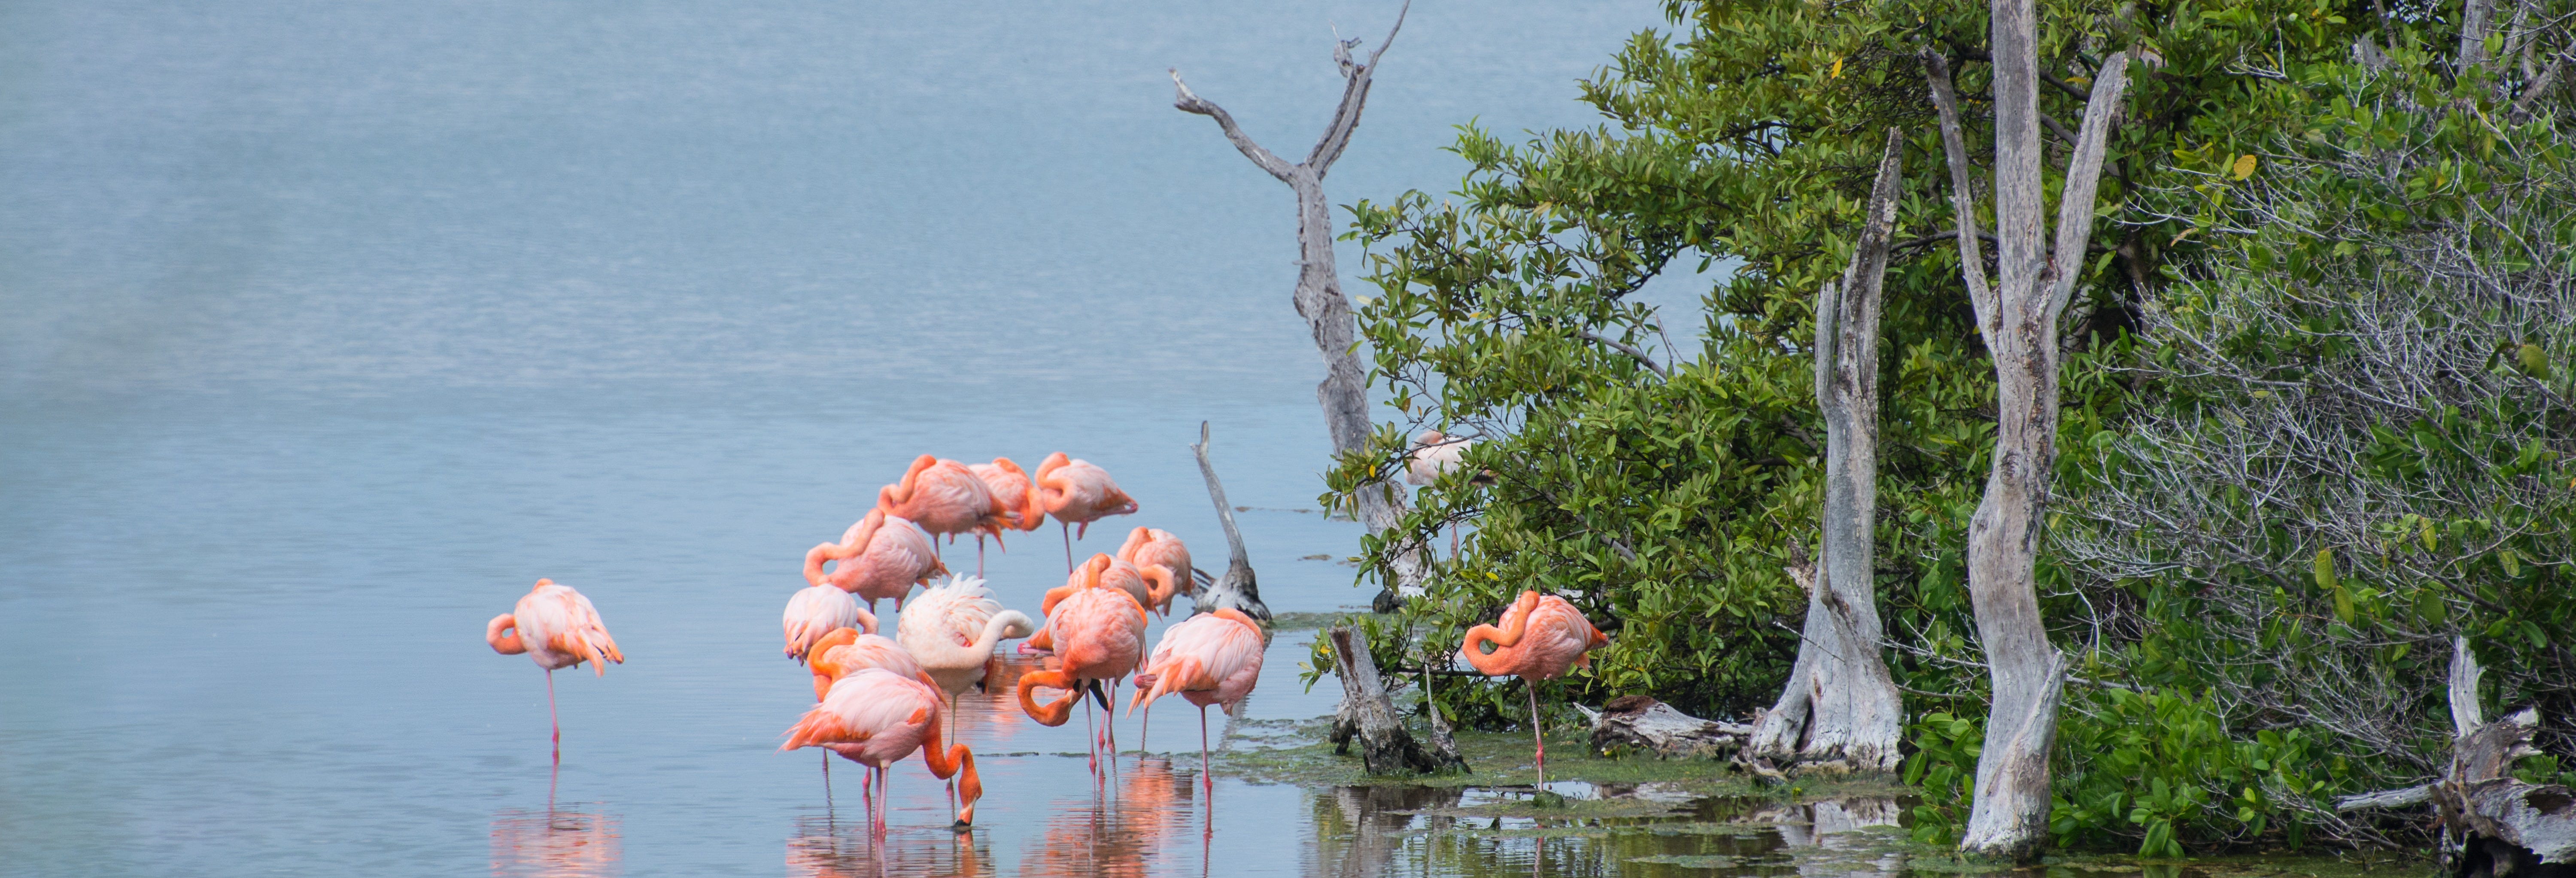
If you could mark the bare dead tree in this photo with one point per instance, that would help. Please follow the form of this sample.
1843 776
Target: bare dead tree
1237 589
1319 299
2018 317
1841 710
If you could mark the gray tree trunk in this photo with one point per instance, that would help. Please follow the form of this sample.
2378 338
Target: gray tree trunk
1237 589
2018 317
1319 299
1368 716
1841 711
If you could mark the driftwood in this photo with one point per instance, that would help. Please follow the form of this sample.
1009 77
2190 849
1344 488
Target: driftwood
1366 715
1636 722
1237 588
1319 299
2492 824
2018 317
1840 711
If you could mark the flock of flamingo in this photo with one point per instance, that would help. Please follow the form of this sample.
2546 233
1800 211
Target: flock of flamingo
878 700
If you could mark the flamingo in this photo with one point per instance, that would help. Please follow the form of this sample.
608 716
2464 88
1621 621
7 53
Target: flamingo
557 627
944 498
882 556
1210 658
1099 633
1147 586
1151 548
1013 492
1541 638
1078 493
1435 453
845 651
816 610
952 629
876 717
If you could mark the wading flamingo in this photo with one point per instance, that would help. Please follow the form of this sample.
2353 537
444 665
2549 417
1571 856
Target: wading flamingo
845 651
1541 638
1099 633
1146 586
952 629
882 556
876 717
816 610
557 627
1014 493
1078 493
1150 548
1435 453
1210 658
944 498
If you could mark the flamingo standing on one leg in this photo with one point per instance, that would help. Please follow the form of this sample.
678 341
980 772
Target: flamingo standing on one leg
557 627
882 556
944 498
1435 453
1541 638
1150 548
952 629
1210 658
1099 633
876 717
816 610
1078 493
1014 493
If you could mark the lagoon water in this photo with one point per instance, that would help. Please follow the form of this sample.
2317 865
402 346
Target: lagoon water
327 327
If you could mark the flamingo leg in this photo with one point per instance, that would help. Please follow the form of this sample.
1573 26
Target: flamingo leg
1091 730
1110 725
551 719
979 556
1204 776
1538 732
1068 543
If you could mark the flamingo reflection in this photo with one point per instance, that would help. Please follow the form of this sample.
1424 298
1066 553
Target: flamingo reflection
1121 829
826 846
559 842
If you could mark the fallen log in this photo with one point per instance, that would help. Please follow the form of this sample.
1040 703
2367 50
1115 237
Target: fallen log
1636 722
2492 823
1366 715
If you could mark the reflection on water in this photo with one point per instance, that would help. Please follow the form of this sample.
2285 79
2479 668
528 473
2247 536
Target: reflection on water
1370 831
832 845
563 841
1134 824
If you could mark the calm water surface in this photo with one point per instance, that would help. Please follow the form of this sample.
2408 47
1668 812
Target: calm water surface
327 327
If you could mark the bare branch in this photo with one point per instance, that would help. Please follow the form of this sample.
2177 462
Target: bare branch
1630 350
1189 102
1355 88
2083 175
1963 198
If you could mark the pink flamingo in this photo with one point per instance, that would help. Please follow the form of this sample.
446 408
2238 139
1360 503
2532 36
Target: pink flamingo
1435 453
1542 638
944 498
557 627
1099 633
1150 549
876 717
816 610
1014 494
1210 658
844 651
1145 586
882 556
1078 493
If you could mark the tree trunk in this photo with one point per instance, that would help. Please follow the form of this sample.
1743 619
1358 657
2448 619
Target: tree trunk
1638 722
1319 299
2018 318
1841 711
1368 716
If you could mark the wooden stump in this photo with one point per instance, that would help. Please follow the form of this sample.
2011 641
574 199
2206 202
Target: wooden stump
1640 723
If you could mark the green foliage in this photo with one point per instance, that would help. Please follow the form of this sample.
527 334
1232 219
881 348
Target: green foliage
2265 192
